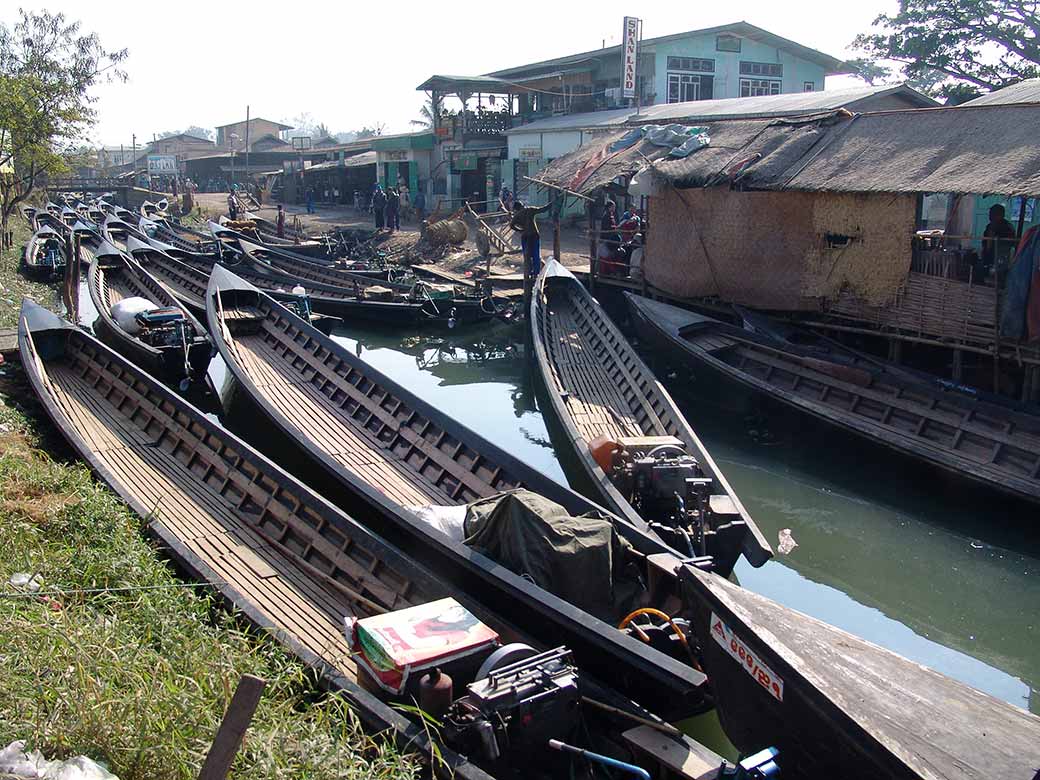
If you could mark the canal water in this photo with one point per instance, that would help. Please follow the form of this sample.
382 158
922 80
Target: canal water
944 575
911 567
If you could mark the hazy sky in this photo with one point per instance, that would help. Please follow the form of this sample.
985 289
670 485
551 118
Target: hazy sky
351 64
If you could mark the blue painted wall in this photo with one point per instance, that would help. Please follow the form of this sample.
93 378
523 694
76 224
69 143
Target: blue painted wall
727 65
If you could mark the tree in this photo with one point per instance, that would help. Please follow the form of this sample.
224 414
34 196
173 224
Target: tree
429 111
944 46
370 132
200 132
47 69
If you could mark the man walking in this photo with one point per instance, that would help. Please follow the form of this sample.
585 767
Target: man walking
525 221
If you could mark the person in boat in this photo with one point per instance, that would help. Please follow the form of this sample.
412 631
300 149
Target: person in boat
506 198
525 221
998 240
378 206
232 206
281 221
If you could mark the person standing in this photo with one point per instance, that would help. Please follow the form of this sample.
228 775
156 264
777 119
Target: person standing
998 241
310 200
525 221
420 204
232 206
378 206
506 198
281 221
393 210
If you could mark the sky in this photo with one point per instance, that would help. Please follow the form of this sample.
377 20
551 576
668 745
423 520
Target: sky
353 64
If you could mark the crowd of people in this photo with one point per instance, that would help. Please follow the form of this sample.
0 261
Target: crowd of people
388 204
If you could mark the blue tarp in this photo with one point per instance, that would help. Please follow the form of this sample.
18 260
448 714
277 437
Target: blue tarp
1016 290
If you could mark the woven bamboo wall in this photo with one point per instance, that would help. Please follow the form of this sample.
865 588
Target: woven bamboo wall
769 249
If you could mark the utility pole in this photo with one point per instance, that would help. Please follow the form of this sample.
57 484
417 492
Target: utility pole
247 148
133 160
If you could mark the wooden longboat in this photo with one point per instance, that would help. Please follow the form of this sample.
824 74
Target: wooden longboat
378 449
337 302
281 262
278 553
836 705
113 277
188 283
348 299
44 253
599 388
992 444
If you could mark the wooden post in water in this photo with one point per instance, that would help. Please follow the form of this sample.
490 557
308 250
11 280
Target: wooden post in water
70 282
233 728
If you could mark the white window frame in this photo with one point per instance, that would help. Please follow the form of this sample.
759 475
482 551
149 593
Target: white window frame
686 80
759 87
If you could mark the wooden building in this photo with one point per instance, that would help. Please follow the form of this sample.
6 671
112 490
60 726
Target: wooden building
822 216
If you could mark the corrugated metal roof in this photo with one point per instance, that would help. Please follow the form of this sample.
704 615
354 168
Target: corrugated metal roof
590 119
789 104
1027 91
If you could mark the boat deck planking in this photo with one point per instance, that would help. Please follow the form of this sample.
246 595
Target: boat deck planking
598 386
988 442
356 429
846 707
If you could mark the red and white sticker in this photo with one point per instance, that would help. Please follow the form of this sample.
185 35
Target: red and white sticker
759 672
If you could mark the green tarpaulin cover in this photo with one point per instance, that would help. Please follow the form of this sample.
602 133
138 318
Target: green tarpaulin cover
580 559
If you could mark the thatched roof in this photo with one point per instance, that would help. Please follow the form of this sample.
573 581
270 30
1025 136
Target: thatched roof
988 149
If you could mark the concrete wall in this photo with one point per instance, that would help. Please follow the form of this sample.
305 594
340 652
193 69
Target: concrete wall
727 65
779 250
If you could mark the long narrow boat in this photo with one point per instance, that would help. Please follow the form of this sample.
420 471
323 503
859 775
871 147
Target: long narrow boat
382 453
171 343
836 705
188 283
44 253
274 550
301 268
354 298
338 302
991 444
636 452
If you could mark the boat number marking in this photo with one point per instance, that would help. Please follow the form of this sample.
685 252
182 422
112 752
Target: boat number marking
759 672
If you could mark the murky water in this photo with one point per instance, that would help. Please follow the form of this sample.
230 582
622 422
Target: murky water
938 576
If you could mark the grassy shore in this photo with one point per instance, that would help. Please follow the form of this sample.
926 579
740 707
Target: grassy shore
14 286
116 657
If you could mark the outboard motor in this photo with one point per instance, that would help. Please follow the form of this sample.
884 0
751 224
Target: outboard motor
166 327
511 712
663 482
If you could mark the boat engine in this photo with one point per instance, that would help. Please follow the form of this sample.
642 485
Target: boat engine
165 327
663 482
512 711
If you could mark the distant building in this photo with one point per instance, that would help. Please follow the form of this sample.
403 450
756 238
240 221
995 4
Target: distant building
236 132
182 146
728 61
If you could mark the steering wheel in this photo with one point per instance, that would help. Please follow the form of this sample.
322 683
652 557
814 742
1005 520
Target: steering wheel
665 618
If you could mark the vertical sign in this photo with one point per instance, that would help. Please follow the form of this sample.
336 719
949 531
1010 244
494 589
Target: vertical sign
630 44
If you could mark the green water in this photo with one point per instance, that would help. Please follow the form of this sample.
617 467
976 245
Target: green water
943 575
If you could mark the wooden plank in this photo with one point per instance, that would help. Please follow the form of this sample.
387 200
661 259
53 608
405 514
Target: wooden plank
233 728
684 757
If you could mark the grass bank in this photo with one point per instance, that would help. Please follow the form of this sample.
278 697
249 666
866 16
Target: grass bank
14 286
117 657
